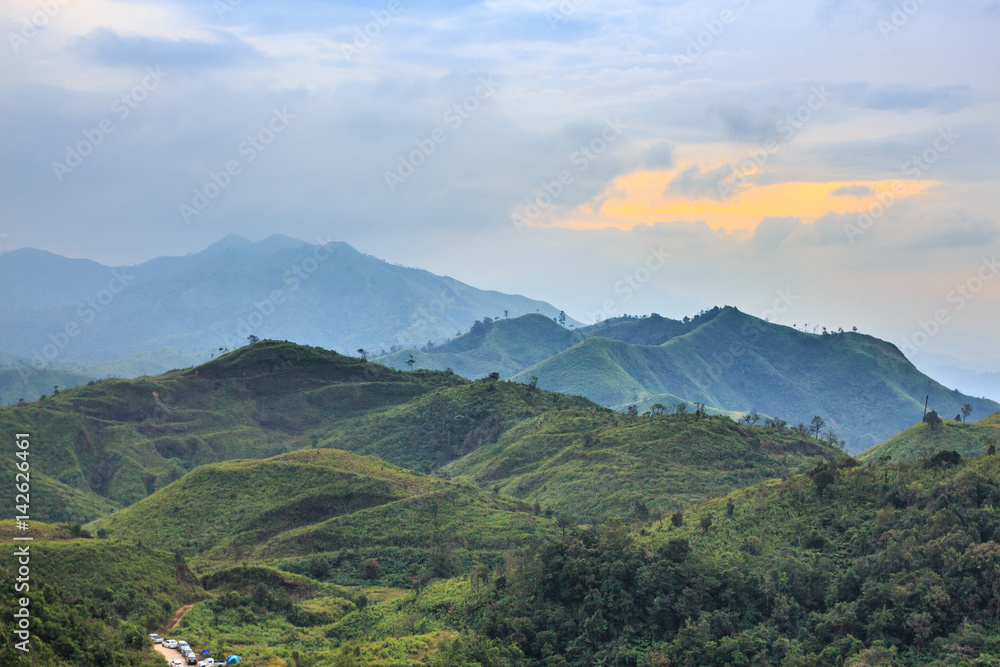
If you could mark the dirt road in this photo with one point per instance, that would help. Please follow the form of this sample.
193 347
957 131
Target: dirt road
175 620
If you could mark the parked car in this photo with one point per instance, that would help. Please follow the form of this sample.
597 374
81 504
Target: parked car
191 658
169 643
157 639
182 645
208 662
176 663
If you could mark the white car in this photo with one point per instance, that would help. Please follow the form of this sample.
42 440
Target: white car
208 662
157 639
169 643
176 663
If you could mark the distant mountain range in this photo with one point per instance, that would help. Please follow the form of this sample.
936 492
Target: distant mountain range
58 309
863 387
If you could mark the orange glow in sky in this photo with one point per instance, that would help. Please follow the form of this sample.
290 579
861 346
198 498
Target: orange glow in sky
640 198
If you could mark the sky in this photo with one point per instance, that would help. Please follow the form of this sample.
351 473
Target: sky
823 162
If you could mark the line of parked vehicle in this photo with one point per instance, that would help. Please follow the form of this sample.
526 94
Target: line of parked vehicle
187 653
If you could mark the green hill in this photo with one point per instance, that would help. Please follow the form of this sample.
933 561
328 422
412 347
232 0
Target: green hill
920 440
593 465
436 428
329 507
864 387
120 440
503 346
92 600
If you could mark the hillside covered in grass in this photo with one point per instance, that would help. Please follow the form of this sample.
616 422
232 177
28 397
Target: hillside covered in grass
436 428
864 387
502 346
112 443
592 465
921 440
331 510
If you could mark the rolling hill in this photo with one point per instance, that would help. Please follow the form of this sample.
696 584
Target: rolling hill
326 505
920 440
329 295
593 465
502 346
112 443
863 387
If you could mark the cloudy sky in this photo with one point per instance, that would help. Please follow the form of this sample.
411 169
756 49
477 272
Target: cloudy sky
831 162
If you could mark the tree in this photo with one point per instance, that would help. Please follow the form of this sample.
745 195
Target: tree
505 316
533 383
370 569
822 476
494 376
363 353
966 411
933 420
677 519
657 409
681 408
632 411
410 362
816 425
253 339
706 523
562 317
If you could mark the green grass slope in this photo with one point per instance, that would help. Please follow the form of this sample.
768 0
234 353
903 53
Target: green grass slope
117 441
592 464
648 330
436 428
502 346
864 387
93 601
920 440
301 507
